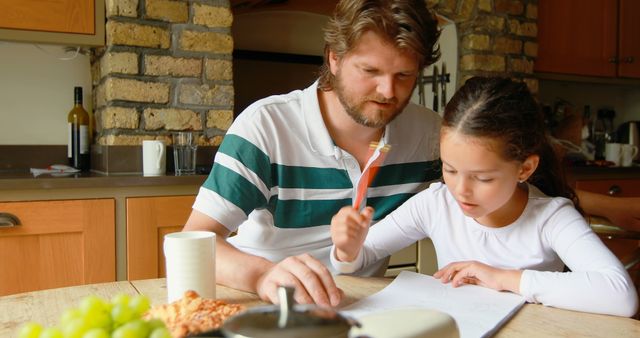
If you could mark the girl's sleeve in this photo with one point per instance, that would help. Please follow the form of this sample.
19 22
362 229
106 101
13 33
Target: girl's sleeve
401 228
597 281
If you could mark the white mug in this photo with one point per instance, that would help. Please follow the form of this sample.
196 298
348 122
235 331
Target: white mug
629 152
191 263
613 153
153 158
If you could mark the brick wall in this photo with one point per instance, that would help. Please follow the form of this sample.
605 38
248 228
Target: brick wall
166 67
495 37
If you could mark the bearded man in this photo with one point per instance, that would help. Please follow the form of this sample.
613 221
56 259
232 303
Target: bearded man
290 162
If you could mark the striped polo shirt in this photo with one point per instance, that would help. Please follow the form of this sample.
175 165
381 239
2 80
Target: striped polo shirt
278 178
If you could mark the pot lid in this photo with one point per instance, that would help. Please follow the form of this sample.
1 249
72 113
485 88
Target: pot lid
288 320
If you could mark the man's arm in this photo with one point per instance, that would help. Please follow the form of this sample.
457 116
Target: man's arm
239 270
621 211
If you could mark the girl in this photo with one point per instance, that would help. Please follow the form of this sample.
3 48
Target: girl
503 218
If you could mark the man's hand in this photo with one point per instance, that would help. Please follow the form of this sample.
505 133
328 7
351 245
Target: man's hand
623 212
311 279
349 228
472 272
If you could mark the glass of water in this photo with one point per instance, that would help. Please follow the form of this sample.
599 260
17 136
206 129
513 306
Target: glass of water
185 145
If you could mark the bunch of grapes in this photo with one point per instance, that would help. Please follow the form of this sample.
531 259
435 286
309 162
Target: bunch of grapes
98 318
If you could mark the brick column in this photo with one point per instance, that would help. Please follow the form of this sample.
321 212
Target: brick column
166 67
495 37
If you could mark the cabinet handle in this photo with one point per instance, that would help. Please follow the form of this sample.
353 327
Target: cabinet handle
8 220
629 59
614 60
614 190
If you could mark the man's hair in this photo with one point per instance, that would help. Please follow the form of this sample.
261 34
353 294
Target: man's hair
408 24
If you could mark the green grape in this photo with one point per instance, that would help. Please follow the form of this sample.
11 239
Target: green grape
100 319
121 298
121 314
96 333
92 304
51 332
69 315
30 330
125 331
75 328
140 304
161 332
138 326
155 323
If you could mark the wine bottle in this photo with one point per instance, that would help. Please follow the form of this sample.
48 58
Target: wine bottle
78 138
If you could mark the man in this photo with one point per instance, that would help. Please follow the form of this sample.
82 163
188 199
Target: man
290 162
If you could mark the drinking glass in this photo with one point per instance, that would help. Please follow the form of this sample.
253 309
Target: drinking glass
185 145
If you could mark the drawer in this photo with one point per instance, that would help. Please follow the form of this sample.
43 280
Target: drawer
618 188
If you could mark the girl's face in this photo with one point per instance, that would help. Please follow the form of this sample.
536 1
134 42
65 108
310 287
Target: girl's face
482 182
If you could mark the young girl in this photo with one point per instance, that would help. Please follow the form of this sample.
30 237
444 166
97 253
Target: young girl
503 218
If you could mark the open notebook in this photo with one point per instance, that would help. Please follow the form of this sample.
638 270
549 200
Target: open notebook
478 311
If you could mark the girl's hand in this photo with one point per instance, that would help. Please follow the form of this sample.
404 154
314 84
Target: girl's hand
472 272
349 228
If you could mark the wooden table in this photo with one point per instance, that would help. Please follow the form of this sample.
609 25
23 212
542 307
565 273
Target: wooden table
46 306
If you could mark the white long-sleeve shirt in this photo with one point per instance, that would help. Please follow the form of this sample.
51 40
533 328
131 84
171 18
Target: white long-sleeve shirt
548 235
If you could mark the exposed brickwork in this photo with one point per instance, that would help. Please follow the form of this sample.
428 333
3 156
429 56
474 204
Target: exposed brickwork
205 95
117 89
504 45
212 16
218 69
220 119
160 65
119 63
130 34
476 42
127 8
210 42
496 37
167 10
166 66
118 117
171 119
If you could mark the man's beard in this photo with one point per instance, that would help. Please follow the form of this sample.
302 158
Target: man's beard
355 108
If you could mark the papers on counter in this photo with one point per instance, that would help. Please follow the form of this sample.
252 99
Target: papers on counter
54 170
477 310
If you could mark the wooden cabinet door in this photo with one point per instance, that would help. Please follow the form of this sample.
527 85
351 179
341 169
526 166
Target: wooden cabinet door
629 41
57 244
64 16
577 37
65 22
148 220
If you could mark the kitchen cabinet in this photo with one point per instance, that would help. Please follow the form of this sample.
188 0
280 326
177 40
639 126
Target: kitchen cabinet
598 39
67 22
50 244
150 218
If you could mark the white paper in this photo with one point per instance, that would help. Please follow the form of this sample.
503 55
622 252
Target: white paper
478 311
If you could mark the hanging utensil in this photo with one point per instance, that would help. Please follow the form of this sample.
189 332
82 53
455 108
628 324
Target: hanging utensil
443 84
434 88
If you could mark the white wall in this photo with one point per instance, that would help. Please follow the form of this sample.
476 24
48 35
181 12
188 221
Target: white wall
36 92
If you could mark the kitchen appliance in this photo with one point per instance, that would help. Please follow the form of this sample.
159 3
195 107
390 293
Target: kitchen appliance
629 133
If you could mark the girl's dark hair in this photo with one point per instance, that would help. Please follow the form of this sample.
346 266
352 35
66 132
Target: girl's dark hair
505 110
406 23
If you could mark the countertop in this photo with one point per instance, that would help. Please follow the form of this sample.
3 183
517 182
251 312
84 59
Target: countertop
25 180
